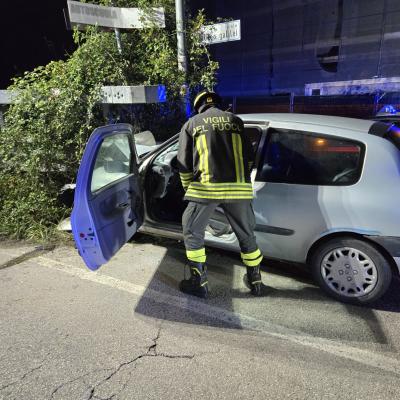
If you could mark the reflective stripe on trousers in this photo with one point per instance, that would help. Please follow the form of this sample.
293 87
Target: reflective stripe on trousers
240 215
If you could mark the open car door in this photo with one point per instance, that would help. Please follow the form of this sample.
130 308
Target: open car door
108 203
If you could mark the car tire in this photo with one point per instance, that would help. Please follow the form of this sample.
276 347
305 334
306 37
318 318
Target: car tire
351 270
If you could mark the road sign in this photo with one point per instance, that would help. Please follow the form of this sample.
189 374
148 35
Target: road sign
113 17
220 33
141 94
133 94
7 96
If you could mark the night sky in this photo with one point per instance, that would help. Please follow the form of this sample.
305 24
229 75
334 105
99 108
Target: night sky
32 34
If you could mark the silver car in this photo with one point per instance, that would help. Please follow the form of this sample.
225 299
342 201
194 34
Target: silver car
326 190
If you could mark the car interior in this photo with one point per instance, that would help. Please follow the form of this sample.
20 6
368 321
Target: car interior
165 203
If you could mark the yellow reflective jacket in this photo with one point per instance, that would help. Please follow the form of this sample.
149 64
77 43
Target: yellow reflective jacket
215 157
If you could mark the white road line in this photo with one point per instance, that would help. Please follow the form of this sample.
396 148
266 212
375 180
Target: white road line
365 357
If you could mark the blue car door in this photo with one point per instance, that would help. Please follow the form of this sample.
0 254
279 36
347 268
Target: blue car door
108 203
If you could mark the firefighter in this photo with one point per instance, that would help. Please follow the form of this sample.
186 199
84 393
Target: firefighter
215 159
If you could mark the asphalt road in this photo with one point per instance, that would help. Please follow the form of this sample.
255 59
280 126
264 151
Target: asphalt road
126 332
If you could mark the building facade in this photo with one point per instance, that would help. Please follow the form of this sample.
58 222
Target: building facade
288 44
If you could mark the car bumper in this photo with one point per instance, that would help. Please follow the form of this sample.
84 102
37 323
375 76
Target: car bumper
391 244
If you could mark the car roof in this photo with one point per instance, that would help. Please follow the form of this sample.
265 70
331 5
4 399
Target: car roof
354 124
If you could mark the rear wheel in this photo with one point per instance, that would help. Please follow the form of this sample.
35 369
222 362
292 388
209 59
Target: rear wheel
351 270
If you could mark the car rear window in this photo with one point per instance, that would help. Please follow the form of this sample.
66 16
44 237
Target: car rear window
310 159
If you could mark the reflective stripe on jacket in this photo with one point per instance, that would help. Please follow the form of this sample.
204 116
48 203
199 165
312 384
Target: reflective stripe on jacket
214 157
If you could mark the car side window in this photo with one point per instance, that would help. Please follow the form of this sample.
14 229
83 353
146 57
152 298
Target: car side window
112 161
309 159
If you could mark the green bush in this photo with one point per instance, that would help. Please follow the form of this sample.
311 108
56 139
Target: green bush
57 108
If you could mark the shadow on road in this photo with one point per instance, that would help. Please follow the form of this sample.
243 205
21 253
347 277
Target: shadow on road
306 295
389 302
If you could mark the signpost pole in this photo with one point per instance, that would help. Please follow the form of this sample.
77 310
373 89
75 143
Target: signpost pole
117 36
118 39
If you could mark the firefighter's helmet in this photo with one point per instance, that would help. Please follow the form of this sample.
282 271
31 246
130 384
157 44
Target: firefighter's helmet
206 97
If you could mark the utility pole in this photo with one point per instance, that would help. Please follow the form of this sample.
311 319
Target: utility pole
182 56
180 34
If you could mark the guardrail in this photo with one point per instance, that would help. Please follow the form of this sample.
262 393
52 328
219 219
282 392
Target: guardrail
356 106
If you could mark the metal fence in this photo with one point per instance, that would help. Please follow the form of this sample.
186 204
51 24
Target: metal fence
356 106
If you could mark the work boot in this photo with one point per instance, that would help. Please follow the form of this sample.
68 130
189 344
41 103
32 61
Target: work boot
197 284
253 280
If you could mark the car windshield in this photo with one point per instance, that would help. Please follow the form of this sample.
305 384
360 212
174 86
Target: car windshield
142 150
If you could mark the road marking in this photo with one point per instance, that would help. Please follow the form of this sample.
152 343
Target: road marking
365 357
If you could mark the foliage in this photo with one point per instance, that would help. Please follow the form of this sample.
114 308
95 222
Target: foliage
57 108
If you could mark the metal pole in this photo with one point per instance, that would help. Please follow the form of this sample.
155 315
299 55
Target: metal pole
118 39
182 57
383 26
180 34
291 107
234 101
117 34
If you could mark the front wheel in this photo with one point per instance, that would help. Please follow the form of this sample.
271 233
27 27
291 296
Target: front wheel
351 270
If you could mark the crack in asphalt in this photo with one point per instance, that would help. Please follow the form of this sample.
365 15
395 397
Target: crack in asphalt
81 377
25 375
150 352
349 351
37 252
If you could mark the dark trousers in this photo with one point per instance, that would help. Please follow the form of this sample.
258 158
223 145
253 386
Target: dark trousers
241 218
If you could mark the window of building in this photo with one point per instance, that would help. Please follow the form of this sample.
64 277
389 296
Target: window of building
310 159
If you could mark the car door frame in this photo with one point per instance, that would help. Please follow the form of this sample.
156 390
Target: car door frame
87 238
